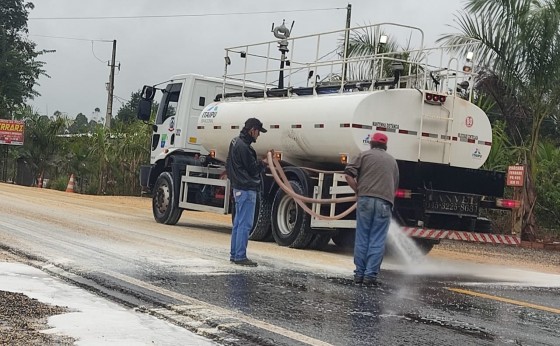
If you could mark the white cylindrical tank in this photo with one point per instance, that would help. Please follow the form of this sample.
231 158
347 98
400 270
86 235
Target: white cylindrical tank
314 130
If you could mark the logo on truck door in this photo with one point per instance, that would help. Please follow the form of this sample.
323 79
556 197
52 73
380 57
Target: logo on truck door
469 121
209 114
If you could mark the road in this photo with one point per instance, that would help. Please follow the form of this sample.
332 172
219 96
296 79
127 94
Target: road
113 247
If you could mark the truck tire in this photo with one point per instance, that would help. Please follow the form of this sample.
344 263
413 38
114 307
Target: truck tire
319 241
483 225
345 238
261 224
424 245
290 223
165 205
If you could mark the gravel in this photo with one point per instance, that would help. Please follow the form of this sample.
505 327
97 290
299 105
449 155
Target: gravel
23 318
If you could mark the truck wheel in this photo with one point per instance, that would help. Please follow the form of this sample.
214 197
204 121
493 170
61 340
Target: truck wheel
261 224
164 203
319 241
261 230
483 225
345 238
290 223
424 245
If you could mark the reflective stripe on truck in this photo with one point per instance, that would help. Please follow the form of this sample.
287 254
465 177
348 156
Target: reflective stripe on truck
438 234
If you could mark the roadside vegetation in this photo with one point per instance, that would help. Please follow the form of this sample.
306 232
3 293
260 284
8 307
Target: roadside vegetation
518 65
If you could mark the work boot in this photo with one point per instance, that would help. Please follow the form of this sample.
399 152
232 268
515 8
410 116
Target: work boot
358 279
246 263
369 281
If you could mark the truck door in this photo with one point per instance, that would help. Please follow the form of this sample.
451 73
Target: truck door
163 136
203 94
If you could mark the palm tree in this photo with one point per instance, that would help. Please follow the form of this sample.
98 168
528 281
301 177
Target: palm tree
365 42
41 142
100 153
519 41
371 59
548 184
130 149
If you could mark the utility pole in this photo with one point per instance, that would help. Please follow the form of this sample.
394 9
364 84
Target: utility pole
111 87
346 39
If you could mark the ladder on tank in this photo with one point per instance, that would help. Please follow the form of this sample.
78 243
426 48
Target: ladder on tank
443 139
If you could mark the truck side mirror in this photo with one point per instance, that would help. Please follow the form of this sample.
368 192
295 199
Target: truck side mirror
144 110
148 93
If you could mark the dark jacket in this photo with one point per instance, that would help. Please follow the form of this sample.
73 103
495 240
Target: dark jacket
242 166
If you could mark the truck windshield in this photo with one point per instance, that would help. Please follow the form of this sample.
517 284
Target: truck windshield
169 102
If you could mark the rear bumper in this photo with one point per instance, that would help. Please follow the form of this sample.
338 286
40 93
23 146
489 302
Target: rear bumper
426 233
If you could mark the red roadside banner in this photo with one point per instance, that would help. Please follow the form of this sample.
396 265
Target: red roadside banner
11 132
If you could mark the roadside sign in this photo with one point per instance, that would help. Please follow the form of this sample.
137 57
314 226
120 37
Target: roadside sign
515 175
11 132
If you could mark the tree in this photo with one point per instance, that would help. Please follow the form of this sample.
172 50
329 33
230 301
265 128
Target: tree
42 143
548 185
79 125
19 69
518 40
365 42
127 112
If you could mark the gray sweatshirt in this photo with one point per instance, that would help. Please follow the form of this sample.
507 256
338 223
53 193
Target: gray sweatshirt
377 174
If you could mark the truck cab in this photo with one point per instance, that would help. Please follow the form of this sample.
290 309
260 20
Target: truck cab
182 101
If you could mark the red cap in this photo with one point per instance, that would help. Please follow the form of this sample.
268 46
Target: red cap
379 137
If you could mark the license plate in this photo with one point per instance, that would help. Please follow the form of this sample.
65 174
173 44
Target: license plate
451 203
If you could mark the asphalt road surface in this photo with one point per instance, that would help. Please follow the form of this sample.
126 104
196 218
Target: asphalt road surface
113 247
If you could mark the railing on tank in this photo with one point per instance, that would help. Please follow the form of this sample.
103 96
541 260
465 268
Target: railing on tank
342 73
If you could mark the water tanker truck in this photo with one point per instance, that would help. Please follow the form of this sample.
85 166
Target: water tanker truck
315 125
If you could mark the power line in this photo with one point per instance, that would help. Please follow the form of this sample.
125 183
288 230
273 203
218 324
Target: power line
186 15
120 99
93 52
73 38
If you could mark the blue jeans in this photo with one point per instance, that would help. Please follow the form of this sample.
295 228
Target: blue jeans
245 202
373 219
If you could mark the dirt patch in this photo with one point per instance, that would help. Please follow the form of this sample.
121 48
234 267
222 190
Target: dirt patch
22 319
512 256
4 257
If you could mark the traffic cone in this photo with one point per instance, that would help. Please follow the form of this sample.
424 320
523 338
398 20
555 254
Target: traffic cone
70 187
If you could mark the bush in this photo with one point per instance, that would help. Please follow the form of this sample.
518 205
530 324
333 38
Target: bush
59 183
547 186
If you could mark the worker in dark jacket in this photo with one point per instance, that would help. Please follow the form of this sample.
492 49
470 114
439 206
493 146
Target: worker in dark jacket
374 176
244 171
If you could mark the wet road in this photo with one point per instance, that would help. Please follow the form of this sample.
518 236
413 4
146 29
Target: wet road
294 297
403 310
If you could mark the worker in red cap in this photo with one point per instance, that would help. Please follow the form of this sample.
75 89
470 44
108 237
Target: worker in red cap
374 176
